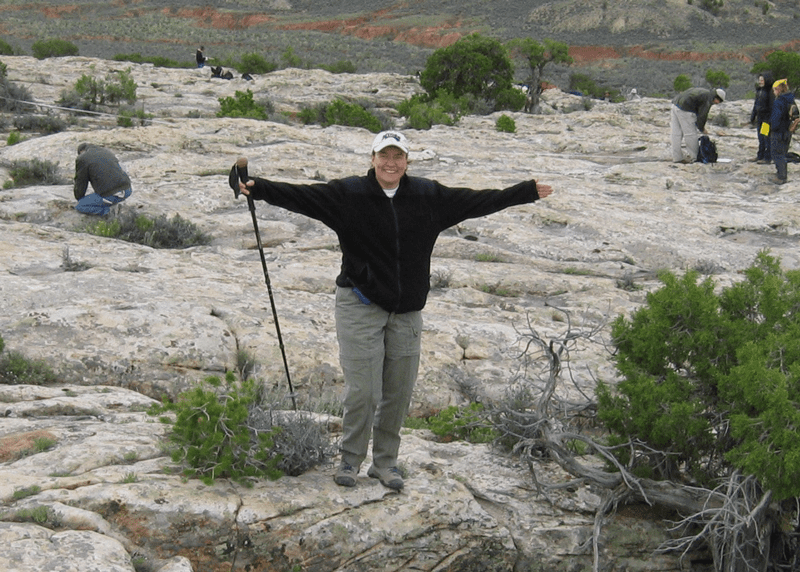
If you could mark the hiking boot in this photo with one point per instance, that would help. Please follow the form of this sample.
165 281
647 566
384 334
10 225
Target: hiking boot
390 478
777 180
685 161
763 162
345 475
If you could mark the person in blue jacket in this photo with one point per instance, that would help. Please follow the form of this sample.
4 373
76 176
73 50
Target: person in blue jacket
387 223
762 110
779 135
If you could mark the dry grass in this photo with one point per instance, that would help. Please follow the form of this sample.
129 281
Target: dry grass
16 446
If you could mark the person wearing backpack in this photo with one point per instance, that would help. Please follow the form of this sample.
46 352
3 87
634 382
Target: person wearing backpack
762 109
779 124
688 117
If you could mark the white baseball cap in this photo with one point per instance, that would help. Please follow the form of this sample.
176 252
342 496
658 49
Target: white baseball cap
390 139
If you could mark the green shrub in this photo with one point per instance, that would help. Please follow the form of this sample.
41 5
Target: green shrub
506 124
425 116
340 112
710 380
212 436
16 369
12 96
712 6
342 66
39 514
254 63
512 99
46 124
423 112
241 105
292 60
90 91
158 61
681 83
6 49
158 232
13 138
126 117
53 48
120 86
717 78
26 172
26 492
586 85
457 423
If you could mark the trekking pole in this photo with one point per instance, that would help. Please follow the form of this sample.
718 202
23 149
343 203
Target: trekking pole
241 172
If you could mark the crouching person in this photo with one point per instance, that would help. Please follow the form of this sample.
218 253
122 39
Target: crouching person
111 185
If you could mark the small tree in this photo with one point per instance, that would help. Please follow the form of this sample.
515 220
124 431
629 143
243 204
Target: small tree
783 65
711 380
538 56
474 65
6 49
681 83
717 78
506 124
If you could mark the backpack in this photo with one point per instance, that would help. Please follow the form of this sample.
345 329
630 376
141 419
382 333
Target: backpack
794 117
707 152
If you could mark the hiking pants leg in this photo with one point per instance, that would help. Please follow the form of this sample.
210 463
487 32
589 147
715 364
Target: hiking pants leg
400 367
379 355
677 134
763 145
779 144
683 125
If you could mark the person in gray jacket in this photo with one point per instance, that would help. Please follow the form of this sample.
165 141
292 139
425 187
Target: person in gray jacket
688 119
100 167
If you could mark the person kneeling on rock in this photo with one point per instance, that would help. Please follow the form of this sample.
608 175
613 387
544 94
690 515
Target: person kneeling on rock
99 166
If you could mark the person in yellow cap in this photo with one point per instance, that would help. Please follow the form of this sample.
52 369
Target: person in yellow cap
779 135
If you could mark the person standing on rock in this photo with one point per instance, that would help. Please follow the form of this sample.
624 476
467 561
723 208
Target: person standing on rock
99 166
779 135
761 115
387 223
688 117
200 57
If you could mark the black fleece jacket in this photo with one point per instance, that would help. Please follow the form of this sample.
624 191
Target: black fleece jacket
387 243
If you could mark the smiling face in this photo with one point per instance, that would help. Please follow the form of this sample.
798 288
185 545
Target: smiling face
390 165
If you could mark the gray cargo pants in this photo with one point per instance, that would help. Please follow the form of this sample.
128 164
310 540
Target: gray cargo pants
379 354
